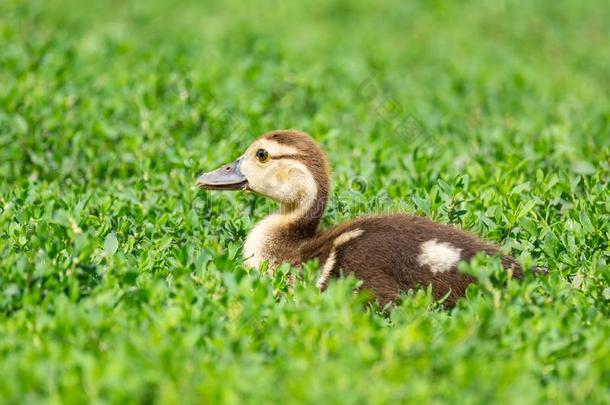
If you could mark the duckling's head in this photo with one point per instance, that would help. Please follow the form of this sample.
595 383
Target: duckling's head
285 165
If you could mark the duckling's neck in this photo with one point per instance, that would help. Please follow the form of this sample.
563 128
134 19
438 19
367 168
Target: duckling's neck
278 237
300 221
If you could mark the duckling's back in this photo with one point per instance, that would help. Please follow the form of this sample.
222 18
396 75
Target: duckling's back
399 252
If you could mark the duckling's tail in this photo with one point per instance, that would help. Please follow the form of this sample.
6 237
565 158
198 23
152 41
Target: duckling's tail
540 271
510 263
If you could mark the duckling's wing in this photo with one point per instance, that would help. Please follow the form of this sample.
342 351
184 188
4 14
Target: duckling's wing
401 252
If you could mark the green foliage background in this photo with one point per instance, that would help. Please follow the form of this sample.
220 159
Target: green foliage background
122 283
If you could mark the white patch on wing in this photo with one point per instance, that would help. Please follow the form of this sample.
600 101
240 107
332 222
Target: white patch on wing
328 267
332 257
438 256
346 237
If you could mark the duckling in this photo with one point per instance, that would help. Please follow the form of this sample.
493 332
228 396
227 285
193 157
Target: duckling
389 254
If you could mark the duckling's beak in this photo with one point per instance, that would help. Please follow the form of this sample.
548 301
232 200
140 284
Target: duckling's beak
227 177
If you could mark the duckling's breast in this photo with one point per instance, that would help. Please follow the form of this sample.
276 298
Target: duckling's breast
256 245
269 240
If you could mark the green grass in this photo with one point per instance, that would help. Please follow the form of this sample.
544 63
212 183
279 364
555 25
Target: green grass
121 282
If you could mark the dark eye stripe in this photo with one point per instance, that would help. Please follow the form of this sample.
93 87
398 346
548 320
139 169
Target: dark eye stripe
295 157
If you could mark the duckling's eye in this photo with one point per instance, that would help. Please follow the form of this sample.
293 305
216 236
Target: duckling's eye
262 155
